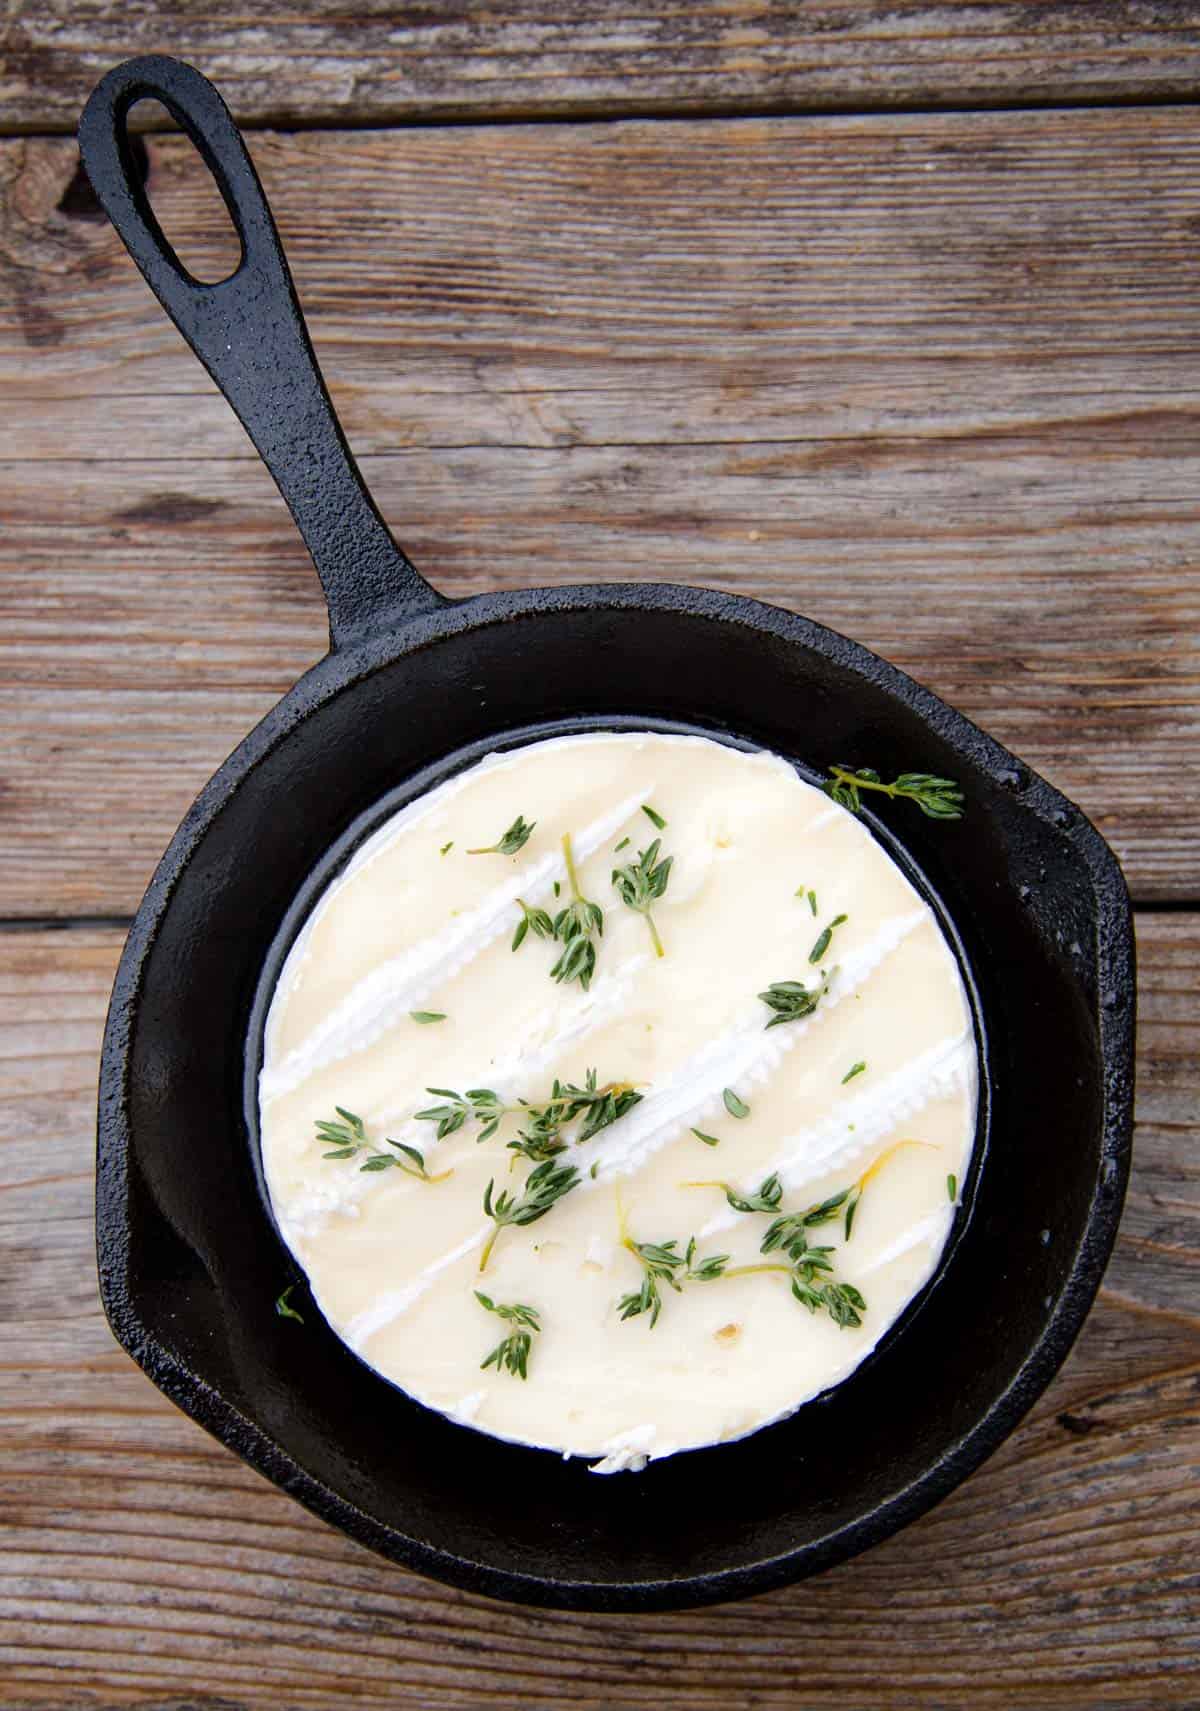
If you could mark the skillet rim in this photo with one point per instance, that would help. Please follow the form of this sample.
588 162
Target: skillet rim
341 669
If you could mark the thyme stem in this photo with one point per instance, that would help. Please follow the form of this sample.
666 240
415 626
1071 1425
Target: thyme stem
572 876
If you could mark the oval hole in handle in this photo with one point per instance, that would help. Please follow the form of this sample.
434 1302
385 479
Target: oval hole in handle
183 197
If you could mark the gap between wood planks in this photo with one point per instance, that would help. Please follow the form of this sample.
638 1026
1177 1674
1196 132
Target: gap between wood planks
619 112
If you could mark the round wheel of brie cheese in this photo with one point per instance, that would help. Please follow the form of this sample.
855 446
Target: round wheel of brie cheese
616 1095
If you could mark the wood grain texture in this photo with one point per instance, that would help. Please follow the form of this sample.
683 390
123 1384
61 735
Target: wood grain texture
142 1565
340 60
932 381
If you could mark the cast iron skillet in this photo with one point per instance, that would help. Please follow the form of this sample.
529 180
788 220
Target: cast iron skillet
415 686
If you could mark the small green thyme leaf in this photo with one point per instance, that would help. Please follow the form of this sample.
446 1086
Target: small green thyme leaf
823 938
653 816
427 1015
812 901
952 1188
446 848
516 837
855 1069
735 1106
622 845
284 1308
709 1140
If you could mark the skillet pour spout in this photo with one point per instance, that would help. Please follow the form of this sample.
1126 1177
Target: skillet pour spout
190 1262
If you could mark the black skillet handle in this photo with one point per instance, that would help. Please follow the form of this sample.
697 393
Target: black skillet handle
249 333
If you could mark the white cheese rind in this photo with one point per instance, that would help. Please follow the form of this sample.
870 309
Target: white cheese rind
394 1263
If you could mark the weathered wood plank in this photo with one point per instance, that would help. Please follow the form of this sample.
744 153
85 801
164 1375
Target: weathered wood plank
143 1565
931 381
327 60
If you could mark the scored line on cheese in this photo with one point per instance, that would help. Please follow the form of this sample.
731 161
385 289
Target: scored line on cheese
861 1123
518 1074
397 1301
750 1053
399 986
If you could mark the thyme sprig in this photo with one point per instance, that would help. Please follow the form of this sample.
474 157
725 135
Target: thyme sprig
791 1225
809 1269
535 921
516 837
599 1106
939 798
511 1354
545 1119
640 884
812 1280
661 1262
348 1139
768 1196
788 1227
791 1000
476 1105
576 927
544 1188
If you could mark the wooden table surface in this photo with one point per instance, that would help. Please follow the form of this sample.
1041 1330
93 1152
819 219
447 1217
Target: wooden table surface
886 312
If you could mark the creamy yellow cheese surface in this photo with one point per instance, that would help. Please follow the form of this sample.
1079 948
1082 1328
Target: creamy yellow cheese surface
413 926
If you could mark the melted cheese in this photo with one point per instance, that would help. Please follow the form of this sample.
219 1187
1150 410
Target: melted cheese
393 1262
